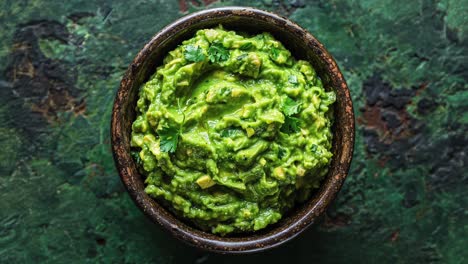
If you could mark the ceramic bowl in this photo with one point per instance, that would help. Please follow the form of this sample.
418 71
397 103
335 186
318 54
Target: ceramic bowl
303 46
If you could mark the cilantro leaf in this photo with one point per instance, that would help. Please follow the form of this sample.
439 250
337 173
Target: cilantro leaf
194 54
169 138
225 91
292 79
218 53
229 132
274 52
290 107
313 148
246 46
290 125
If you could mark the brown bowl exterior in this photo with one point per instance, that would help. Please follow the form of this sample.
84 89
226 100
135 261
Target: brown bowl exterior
303 46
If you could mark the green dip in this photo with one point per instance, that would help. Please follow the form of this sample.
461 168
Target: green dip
232 131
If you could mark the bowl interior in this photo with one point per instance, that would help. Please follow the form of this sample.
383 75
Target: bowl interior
303 46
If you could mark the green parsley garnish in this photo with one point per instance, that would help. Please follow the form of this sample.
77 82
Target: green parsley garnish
313 148
246 46
218 53
194 54
274 52
290 125
169 137
229 132
290 107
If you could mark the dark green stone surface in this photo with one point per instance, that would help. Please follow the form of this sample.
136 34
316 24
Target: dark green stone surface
405 200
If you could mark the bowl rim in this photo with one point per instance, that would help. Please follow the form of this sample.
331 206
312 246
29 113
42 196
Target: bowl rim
189 234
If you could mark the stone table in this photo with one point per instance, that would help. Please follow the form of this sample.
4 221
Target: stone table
405 200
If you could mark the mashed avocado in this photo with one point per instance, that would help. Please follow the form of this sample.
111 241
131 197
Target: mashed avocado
232 131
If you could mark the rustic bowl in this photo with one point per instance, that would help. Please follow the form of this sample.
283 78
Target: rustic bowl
303 46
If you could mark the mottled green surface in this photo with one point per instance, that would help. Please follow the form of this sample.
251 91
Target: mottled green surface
405 200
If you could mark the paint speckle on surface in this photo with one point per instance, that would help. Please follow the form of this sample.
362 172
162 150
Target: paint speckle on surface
404 200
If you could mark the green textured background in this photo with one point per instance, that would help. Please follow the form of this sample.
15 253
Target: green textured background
405 200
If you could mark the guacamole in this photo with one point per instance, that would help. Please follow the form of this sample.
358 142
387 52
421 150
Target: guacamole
232 131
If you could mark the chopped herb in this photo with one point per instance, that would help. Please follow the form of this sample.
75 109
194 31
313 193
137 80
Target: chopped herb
290 107
169 138
241 57
218 53
225 91
274 52
290 125
292 79
313 148
229 132
246 46
194 54
281 152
